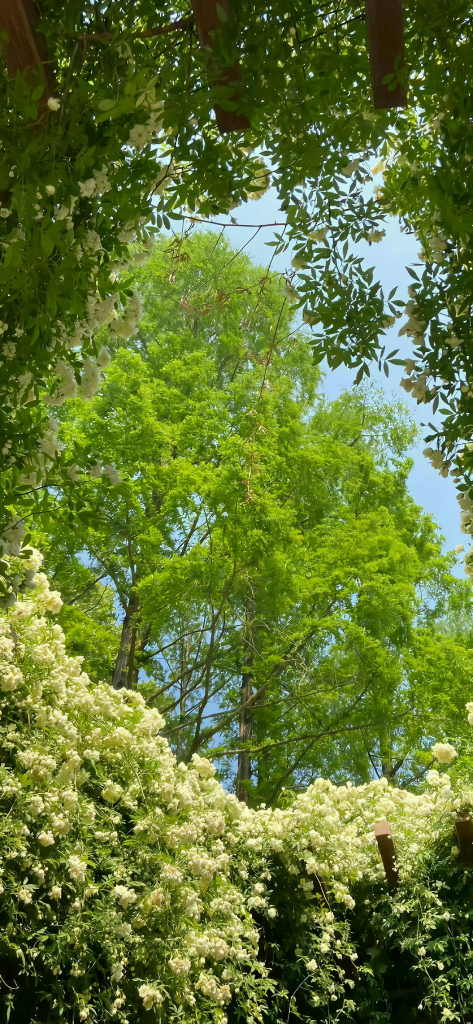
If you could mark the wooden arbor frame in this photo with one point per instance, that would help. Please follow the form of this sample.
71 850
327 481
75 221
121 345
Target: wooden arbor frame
25 51
384 839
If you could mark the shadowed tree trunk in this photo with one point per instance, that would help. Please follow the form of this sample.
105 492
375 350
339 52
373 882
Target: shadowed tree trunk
245 724
123 672
185 652
244 736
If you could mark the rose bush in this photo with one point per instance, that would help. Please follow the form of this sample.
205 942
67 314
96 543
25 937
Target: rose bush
135 887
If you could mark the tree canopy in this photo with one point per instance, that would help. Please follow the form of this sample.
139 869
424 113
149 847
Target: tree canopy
281 598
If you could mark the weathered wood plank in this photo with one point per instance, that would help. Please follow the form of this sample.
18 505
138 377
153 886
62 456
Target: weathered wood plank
383 833
207 21
386 50
464 830
25 50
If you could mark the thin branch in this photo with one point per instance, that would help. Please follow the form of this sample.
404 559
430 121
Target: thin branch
332 28
235 224
292 739
86 589
106 37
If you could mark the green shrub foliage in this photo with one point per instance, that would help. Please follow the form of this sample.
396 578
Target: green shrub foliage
138 889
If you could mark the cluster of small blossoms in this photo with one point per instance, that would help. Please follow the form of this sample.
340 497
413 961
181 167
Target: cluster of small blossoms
73 218
437 459
143 864
28 561
109 842
416 381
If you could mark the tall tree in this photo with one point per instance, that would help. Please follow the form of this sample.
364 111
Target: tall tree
277 587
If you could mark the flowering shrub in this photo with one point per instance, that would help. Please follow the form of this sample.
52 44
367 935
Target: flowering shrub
134 887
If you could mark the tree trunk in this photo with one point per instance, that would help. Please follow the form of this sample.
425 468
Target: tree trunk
244 735
185 651
124 663
386 754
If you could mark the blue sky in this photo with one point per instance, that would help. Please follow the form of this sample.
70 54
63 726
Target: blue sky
389 258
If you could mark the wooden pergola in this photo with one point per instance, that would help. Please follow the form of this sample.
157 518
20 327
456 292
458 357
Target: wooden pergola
384 839
26 51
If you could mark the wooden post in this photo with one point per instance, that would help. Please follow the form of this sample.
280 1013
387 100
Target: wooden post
383 833
386 50
25 50
207 20
464 829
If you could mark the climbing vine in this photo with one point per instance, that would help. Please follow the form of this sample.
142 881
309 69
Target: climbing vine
115 137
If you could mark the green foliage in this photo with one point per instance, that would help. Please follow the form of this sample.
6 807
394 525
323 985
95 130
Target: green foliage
131 145
133 887
280 594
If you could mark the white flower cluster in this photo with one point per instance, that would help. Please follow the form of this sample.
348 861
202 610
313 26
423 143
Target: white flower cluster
437 460
434 250
96 811
142 134
415 327
91 758
125 326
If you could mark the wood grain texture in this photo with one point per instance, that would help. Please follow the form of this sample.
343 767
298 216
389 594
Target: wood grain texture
384 839
464 830
207 21
25 51
386 50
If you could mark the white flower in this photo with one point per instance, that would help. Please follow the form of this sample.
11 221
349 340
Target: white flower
92 241
169 873
50 189
117 972
34 560
299 262
87 188
112 473
77 868
54 104
180 965
11 678
111 792
46 839
90 380
53 601
56 892
35 805
151 996
433 777
444 752
101 181
203 766
139 136
96 469
103 358
124 895
350 168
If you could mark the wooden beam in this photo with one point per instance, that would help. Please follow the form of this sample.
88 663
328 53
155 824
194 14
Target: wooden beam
207 21
24 48
386 49
464 829
383 833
